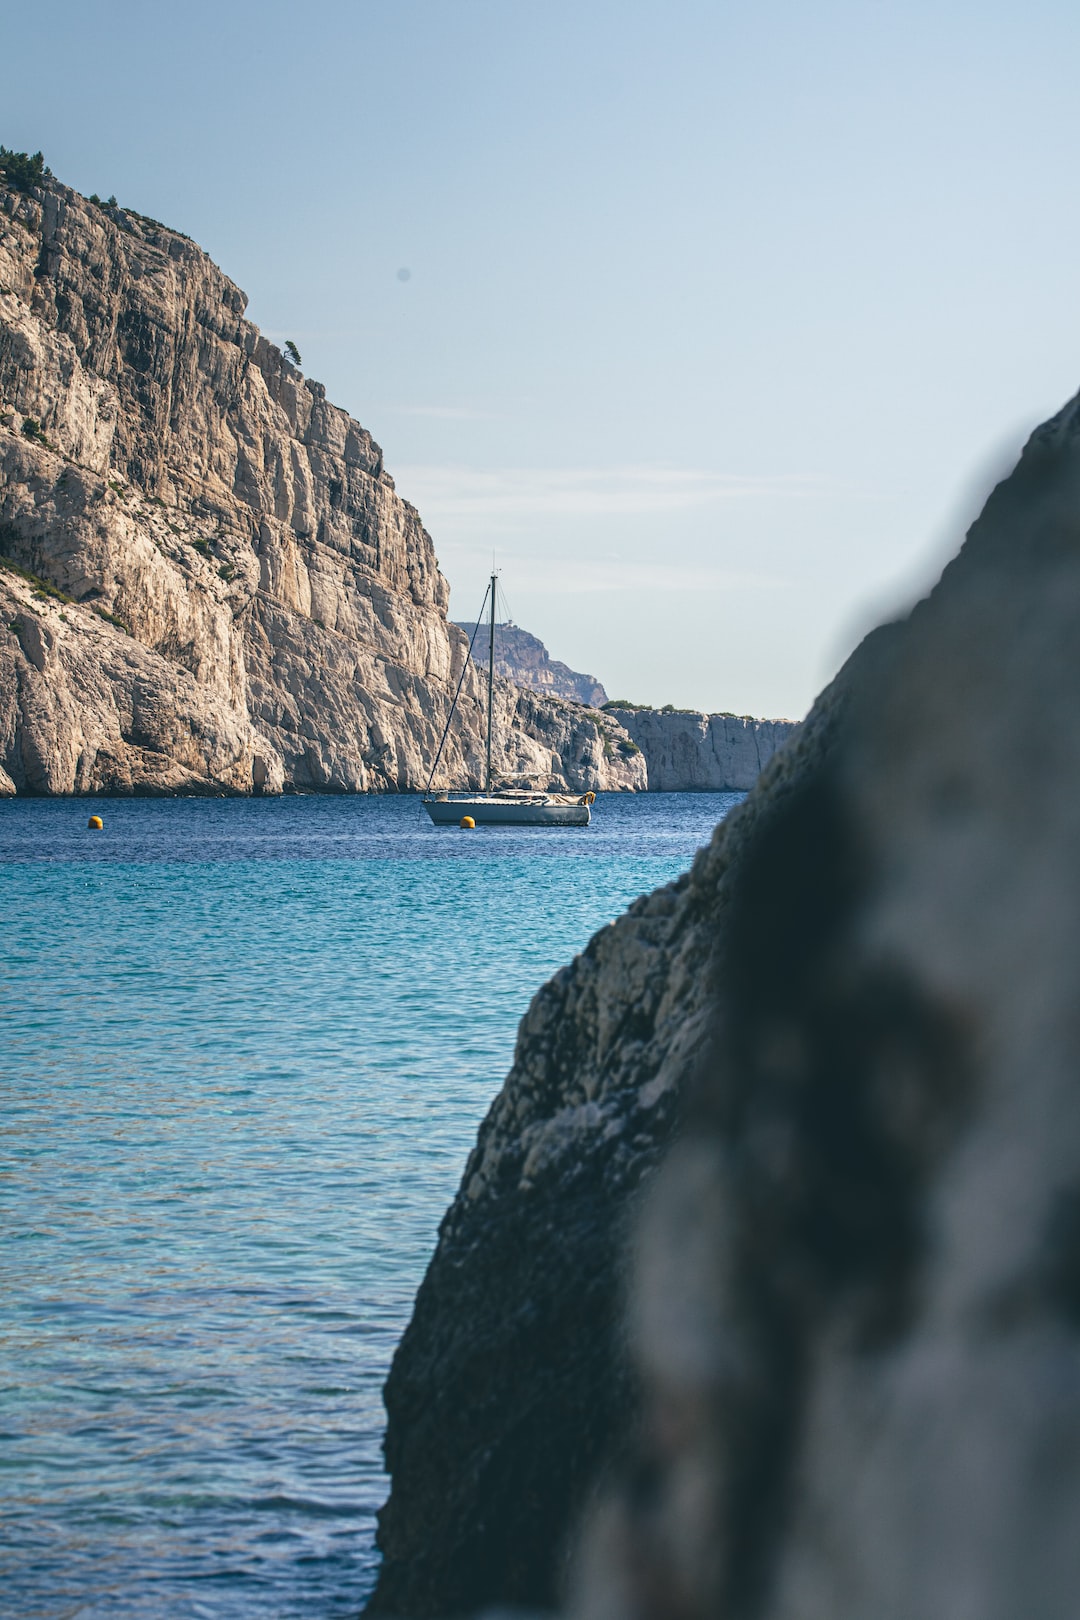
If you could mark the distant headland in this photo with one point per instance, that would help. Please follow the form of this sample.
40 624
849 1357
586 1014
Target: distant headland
523 659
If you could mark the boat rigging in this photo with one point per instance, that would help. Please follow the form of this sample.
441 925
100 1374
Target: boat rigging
519 807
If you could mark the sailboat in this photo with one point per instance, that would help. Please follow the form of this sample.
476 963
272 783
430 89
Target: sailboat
510 806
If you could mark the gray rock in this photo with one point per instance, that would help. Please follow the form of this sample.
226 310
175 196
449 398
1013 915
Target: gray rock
165 466
857 1295
511 1388
848 1380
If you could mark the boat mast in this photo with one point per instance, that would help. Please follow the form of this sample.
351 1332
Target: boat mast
491 679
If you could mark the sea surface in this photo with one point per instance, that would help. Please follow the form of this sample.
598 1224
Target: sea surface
245 1047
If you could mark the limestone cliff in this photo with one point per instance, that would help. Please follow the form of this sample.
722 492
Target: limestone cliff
250 602
689 752
848 1380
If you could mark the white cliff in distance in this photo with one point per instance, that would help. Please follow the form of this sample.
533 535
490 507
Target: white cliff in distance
690 752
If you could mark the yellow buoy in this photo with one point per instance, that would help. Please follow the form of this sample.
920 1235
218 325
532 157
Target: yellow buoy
466 821
95 824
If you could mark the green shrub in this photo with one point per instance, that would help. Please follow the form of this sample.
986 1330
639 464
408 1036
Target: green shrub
148 219
622 703
32 429
201 546
110 618
227 572
41 586
145 219
23 170
628 749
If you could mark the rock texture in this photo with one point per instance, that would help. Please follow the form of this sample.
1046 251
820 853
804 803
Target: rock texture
511 1388
848 1381
688 752
858 1294
523 659
252 603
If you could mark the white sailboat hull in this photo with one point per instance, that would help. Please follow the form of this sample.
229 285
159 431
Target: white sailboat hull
491 809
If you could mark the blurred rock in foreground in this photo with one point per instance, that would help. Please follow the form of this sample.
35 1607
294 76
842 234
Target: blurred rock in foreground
856 1311
847 1386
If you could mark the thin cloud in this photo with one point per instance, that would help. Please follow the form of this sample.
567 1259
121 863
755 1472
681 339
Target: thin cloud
442 413
448 493
311 334
575 577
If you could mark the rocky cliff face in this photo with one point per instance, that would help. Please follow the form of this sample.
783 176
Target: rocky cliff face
848 1380
252 604
687 752
523 659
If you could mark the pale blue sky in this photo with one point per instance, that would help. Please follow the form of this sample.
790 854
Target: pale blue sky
717 315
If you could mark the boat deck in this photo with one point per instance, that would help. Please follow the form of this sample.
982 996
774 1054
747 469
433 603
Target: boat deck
512 809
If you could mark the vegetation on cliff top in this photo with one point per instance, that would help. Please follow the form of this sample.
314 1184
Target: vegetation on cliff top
645 708
24 170
41 586
668 708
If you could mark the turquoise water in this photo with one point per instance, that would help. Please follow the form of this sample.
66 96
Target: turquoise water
245 1050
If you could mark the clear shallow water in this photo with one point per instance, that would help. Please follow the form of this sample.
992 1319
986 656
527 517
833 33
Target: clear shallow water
244 1051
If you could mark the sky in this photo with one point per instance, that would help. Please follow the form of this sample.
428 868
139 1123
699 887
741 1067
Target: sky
713 323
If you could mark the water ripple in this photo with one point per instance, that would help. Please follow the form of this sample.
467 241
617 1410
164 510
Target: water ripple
246 1050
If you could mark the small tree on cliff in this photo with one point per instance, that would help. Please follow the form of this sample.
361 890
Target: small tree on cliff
292 351
23 170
